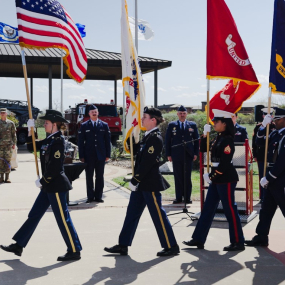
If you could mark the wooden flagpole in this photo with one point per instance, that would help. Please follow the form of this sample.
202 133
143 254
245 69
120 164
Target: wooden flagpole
30 108
208 122
267 133
132 154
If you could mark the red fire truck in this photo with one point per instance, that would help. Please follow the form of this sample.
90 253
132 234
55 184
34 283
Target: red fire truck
107 113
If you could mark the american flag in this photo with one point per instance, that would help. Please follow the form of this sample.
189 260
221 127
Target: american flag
46 24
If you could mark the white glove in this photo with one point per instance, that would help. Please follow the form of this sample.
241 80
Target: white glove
38 183
207 178
267 120
207 129
132 187
31 124
264 182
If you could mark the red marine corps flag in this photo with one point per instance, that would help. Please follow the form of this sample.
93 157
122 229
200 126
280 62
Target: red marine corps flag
227 59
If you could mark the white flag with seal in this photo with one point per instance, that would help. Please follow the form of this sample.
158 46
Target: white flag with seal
145 31
132 79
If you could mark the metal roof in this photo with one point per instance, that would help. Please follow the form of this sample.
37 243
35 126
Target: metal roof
102 65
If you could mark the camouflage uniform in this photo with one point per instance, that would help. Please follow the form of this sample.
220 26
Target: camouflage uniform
8 138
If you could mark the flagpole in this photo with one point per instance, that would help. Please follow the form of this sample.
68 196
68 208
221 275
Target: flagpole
132 154
29 108
208 122
61 61
267 132
136 24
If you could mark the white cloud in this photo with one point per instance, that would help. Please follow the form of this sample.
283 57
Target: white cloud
204 86
160 89
191 95
101 91
42 89
263 78
72 86
179 88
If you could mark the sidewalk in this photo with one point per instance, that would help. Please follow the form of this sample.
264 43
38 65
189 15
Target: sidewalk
99 225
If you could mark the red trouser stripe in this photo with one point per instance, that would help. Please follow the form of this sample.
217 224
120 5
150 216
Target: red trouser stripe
233 213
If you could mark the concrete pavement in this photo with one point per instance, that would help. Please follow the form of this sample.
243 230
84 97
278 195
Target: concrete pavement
98 225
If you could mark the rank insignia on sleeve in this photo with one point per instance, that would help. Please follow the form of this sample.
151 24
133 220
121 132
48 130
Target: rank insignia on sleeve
227 150
57 154
151 150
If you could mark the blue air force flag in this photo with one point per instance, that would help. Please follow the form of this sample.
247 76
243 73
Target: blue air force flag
81 29
145 31
277 68
8 34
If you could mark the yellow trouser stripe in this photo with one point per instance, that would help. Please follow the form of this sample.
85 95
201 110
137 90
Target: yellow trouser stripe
64 222
161 220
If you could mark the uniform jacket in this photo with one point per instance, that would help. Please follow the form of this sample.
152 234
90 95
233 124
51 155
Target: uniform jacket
94 140
222 151
147 173
258 151
240 133
7 133
52 156
174 136
275 155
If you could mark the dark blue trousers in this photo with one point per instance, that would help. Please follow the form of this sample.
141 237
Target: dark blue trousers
98 166
137 203
63 219
274 196
178 170
225 194
260 165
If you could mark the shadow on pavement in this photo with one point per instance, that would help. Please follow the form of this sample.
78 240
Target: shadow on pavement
210 268
22 273
126 271
266 272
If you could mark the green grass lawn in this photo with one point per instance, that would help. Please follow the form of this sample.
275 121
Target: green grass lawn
41 133
169 194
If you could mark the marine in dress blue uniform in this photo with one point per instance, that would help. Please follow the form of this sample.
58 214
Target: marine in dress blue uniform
54 186
240 131
177 133
94 143
147 183
258 151
223 179
274 180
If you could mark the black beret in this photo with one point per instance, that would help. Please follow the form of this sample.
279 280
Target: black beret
152 111
92 107
182 109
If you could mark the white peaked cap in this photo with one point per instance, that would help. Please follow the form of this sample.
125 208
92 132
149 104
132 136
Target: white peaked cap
265 110
222 114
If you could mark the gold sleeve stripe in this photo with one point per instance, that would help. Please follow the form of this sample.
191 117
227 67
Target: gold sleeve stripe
219 172
136 179
45 180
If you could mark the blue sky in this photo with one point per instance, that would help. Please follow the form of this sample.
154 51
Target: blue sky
180 36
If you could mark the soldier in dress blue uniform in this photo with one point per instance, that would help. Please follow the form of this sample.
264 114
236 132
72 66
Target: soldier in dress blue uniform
258 151
240 131
274 180
179 132
94 143
222 179
54 185
146 185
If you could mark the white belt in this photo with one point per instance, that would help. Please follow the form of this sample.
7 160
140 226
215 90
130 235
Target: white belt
215 164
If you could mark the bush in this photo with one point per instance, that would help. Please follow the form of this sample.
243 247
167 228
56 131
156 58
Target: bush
13 119
245 118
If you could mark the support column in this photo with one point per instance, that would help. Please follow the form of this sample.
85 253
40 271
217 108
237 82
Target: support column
155 89
115 93
32 91
50 86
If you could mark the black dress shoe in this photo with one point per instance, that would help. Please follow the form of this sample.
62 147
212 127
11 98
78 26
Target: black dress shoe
174 250
89 201
234 247
177 201
121 249
69 256
188 201
14 247
256 241
193 242
99 200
